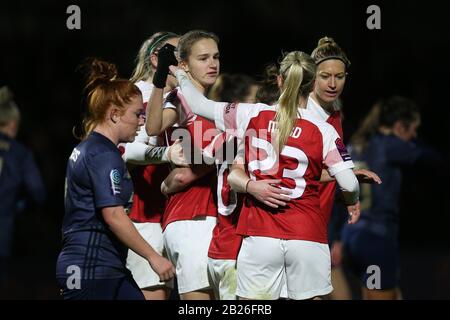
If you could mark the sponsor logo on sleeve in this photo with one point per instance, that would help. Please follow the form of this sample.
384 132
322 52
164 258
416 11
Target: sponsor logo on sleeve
342 150
74 155
229 116
230 107
115 179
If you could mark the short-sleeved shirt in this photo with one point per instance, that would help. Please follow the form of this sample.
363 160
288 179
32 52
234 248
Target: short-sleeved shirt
225 242
19 175
312 145
175 100
96 178
385 155
198 198
327 191
20 182
148 201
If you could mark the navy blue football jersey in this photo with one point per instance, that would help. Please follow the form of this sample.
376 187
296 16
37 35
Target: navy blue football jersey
96 178
20 183
385 155
19 176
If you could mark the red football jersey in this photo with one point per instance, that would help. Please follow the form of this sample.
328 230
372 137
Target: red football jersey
197 199
327 190
225 242
148 201
312 146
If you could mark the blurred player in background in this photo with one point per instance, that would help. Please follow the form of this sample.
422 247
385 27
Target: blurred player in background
385 143
20 179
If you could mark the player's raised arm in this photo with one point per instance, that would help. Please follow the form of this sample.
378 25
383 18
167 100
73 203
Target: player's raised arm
195 99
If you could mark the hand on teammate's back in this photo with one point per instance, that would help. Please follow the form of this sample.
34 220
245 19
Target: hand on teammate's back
367 176
268 193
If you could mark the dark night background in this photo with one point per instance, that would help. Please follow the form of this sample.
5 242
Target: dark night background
408 56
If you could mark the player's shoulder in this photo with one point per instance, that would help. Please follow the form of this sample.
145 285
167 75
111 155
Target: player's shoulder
14 151
316 109
144 86
96 146
18 148
264 107
310 116
253 110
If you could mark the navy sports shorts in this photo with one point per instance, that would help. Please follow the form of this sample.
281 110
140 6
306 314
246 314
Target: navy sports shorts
368 253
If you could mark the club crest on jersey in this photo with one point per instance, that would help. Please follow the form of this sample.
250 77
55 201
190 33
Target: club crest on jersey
115 179
342 150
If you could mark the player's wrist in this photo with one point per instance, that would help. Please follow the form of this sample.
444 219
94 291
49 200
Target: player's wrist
247 185
163 187
350 201
151 257
166 157
160 79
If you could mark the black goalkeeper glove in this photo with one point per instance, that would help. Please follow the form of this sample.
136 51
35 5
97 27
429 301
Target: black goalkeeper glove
166 58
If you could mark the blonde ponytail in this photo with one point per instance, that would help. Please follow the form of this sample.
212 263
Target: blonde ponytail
143 69
288 104
298 71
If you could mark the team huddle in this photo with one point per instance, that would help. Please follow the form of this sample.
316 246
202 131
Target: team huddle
231 194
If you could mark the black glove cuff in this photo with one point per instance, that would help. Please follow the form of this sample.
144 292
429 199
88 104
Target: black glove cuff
160 78
166 58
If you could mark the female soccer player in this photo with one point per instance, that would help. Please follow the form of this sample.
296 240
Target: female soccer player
96 230
332 66
225 243
384 143
148 202
190 214
20 179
